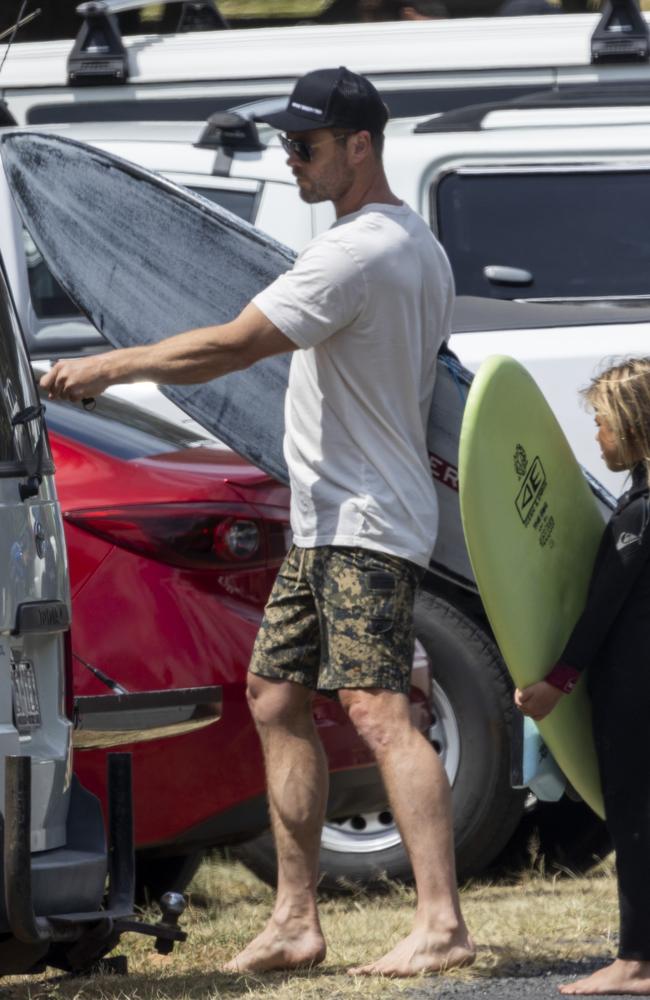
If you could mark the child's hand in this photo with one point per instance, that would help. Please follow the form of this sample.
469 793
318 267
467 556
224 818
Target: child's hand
537 700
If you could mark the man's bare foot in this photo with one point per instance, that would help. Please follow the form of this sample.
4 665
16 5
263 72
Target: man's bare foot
290 945
621 977
422 951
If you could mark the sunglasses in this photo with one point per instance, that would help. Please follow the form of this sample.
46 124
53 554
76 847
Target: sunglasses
305 150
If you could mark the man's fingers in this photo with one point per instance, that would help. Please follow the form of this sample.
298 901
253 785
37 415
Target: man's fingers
48 379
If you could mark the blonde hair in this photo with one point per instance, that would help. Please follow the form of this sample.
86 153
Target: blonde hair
621 396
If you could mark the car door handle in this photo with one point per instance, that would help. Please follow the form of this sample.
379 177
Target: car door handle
502 274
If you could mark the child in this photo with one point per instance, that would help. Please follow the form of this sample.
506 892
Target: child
612 639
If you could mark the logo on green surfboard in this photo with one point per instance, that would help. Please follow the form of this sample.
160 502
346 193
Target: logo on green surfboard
531 508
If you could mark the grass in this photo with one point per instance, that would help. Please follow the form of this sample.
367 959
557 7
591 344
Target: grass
272 8
536 923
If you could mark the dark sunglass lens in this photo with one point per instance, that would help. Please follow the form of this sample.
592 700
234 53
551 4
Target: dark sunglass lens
301 149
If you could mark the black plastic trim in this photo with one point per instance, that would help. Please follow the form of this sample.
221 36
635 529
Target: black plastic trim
621 35
402 103
42 617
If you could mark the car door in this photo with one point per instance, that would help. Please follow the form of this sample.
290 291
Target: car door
566 233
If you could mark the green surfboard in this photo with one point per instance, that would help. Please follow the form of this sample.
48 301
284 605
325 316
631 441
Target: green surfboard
532 527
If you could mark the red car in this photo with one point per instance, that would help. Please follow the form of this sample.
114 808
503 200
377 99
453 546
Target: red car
173 544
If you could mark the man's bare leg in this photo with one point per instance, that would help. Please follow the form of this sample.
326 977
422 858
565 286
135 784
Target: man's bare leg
420 798
297 777
621 977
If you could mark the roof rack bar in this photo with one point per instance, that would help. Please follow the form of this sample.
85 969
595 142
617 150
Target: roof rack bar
471 117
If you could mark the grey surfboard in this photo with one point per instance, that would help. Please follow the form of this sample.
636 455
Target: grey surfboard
144 259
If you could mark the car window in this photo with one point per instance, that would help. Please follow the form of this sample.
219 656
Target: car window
563 228
241 203
120 429
49 300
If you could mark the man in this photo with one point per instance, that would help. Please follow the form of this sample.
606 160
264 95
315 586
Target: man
365 309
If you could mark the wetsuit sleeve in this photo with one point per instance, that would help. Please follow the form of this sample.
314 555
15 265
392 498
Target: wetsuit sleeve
623 552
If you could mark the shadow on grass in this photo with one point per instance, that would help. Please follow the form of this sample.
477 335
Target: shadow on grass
154 986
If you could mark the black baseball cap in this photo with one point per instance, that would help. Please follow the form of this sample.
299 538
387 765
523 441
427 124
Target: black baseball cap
327 98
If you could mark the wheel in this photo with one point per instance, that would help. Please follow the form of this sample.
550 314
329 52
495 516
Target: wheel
155 875
471 706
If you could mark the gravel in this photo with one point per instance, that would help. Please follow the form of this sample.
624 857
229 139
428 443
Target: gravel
525 984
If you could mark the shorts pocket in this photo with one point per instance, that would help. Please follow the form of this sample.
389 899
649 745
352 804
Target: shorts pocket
381 590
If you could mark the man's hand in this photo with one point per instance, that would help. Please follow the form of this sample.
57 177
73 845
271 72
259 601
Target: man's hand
537 700
80 379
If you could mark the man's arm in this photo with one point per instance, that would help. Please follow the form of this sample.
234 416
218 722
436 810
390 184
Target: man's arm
196 356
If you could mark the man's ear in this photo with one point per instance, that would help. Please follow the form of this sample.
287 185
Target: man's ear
361 145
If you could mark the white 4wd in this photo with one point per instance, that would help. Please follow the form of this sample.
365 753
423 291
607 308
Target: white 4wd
419 67
541 209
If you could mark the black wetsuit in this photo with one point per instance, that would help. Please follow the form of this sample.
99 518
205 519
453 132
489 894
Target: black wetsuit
612 639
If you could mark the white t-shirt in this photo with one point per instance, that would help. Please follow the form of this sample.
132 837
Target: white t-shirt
369 302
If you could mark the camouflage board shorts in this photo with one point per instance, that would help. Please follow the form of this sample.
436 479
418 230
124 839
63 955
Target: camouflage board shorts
339 618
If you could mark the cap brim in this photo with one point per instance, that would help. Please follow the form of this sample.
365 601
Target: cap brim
287 121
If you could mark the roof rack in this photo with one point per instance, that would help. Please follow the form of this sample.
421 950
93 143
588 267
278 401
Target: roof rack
472 117
235 130
98 55
621 34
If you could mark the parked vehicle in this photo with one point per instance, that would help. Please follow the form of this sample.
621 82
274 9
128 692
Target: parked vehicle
560 335
360 838
179 539
572 173
54 908
419 67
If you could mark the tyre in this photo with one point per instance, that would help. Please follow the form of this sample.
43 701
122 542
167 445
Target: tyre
155 875
471 703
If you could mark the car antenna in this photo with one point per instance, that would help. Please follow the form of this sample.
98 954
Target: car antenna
14 28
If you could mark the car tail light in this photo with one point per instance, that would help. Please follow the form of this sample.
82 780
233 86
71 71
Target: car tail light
68 679
206 536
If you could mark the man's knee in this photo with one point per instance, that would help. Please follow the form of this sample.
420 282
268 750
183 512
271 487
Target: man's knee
380 717
276 702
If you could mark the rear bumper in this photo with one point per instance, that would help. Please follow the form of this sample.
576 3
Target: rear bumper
54 907
48 896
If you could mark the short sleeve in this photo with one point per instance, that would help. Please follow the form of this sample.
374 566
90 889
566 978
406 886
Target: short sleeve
323 293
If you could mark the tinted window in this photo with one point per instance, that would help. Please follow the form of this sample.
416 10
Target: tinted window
120 429
241 203
577 234
49 300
